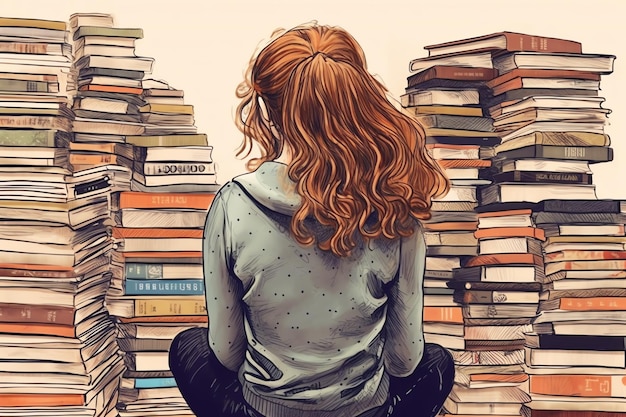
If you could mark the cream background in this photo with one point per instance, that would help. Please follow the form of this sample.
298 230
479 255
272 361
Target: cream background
203 47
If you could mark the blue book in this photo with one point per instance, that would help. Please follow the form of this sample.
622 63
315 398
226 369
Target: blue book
164 287
143 271
155 383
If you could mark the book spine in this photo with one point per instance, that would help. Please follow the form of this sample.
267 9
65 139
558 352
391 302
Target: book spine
78 159
164 287
133 270
146 383
443 314
41 400
531 43
593 304
579 385
20 313
36 122
150 168
129 232
27 137
47 329
544 177
26 86
506 258
577 153
164 200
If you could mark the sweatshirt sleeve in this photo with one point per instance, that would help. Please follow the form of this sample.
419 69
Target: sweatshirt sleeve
404 344
223 289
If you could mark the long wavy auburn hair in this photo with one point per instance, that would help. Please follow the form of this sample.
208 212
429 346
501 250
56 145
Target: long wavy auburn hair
359 164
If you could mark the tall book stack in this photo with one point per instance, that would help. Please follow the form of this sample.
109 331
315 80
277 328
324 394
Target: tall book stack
575 354
59 355
546 111
108 96
445 98
157 287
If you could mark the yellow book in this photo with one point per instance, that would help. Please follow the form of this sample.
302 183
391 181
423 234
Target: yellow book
187 306
32 23
195 139
167 108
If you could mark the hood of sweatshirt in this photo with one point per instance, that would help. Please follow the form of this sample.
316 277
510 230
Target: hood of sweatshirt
271 187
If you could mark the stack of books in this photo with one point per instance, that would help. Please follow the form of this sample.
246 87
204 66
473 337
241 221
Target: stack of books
108 97
549 120
575 354
145 127
445 99
59 352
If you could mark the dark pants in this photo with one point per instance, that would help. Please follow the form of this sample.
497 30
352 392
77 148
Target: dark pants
212 390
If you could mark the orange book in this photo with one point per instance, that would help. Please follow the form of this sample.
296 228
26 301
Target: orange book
585 255
464 163
125 232
192 254
450 226
505 258
518 73
579 385
132 199
41 400
445 314
503 213
111 89
39 329
84 159
36 267
592 303
524 231
165 319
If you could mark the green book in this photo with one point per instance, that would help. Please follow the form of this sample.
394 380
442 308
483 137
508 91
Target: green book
82 31
28 137
25 86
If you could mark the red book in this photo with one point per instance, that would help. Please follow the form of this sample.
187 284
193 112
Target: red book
505 41
131 199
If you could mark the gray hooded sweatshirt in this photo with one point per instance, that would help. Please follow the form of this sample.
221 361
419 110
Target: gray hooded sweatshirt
310 334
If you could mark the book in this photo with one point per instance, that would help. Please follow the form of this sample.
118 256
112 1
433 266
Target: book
519 74
510 245
538 114
585 230
598 63
174 140
459 73
505 41
138 200
585 304
575 342
543 165
476 59
505 232
534 192
581 385
498 297
441 109
547 101
33 137
571 357
592 154
143 64
546 83
164 287
578 206
444 121
107 31
543 177
505 258
500 273
441 97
